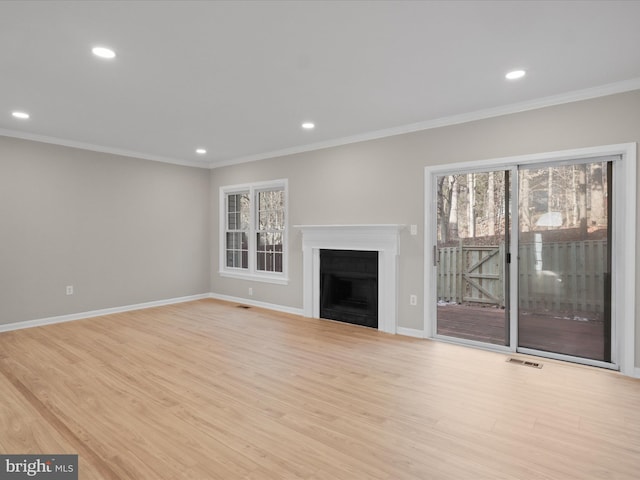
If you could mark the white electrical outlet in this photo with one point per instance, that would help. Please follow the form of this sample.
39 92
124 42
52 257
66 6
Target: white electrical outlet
413 300
250 291
413 229
69 289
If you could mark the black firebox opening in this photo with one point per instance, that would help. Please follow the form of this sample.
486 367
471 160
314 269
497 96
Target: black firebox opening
349 286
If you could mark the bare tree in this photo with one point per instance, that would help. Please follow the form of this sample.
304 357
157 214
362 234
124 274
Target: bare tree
598 214
445 192
523 211
453 215
491 205
581 189
471 184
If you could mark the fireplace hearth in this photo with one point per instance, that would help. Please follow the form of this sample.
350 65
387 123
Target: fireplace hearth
349 286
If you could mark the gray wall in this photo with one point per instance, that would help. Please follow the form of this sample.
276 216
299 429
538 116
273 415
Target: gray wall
382 181
120 230
126 231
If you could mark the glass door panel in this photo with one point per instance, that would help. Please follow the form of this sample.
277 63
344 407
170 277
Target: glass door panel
564 253
472 238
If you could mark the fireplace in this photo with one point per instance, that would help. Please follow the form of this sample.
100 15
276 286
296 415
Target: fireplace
349 286
383 240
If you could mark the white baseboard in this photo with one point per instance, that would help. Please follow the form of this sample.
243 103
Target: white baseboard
410 332
636 372
256 303
97 313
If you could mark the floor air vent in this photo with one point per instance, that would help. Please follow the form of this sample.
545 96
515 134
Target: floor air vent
246 307
524 362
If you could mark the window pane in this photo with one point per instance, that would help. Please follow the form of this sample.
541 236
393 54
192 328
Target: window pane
277 262
265 200
238 211
245 211
237 250
271 210
269 251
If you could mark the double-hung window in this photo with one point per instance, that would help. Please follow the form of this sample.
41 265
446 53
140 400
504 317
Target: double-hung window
253 231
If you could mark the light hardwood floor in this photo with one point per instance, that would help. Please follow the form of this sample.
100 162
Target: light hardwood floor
206 390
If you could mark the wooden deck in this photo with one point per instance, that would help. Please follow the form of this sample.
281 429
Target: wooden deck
577 335
483 324
205 390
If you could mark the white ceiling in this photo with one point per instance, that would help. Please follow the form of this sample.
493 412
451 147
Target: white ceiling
238 78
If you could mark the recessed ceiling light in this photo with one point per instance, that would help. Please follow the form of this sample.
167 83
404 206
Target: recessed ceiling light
200 151
103 52
308 126
515 74
20 115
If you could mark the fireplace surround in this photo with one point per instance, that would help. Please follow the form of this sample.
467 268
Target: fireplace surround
384 239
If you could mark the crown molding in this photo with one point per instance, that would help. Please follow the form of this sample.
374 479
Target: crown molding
569 97
574 96
98 148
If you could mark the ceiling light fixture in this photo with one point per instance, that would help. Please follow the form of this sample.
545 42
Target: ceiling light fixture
103 52
200 151
515 74
20 115
308 126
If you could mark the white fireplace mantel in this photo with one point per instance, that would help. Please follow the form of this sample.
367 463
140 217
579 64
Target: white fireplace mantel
384 239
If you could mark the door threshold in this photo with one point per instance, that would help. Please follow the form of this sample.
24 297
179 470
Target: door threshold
491 347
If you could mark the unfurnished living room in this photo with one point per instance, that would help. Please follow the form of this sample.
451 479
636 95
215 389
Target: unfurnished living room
319 240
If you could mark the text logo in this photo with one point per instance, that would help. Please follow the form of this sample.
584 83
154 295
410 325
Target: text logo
49 467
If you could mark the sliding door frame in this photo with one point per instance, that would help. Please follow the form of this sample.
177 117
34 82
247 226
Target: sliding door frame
622 248
431 240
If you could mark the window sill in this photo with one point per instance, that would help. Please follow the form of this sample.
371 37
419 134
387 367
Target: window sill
254 277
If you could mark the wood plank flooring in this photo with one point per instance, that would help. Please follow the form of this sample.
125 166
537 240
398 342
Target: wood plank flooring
205 390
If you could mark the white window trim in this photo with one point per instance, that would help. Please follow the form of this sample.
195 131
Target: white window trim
280 278
623 249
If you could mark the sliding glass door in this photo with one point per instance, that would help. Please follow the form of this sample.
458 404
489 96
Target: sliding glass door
472 238
555 299
564 252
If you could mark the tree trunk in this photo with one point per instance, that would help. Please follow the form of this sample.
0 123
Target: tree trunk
471 185
598 205
550 201
491 206
453 217
445 184
574 189
525 218
582 199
